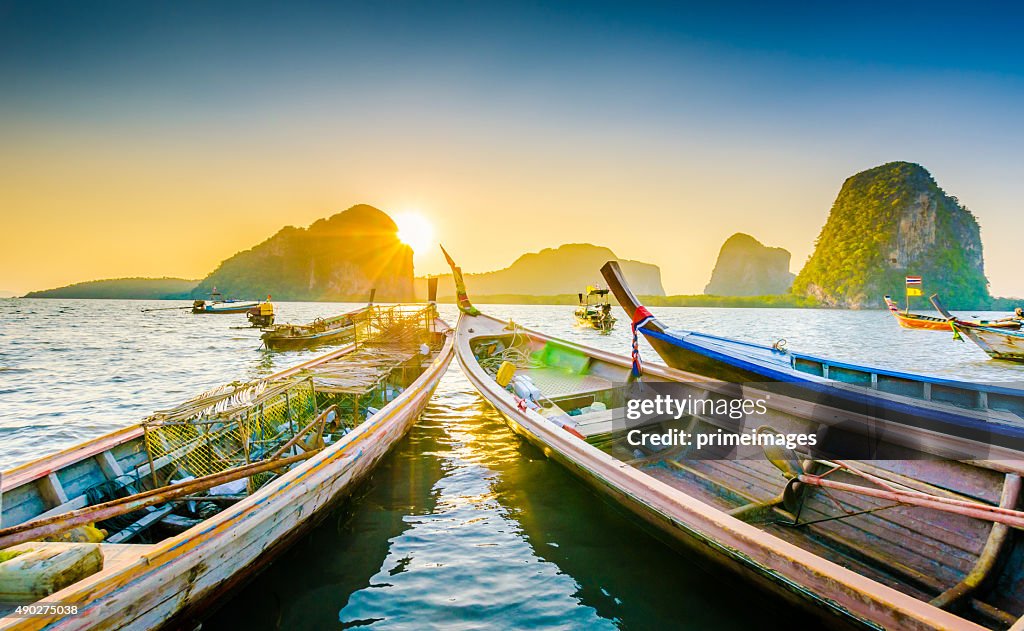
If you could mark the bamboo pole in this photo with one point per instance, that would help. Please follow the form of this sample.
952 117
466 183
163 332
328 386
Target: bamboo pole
294 439
45 527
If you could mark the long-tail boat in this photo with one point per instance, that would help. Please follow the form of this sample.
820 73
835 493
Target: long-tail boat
915 543
594 310
909 320
973 410
997 343
218 304
320 331
161 518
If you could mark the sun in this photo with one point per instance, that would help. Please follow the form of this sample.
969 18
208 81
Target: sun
415 231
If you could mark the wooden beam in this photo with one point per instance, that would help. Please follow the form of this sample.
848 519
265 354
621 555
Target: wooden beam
111 467
147 521
52 490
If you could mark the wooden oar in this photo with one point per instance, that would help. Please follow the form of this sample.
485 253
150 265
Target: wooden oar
987 512
47 526
976 510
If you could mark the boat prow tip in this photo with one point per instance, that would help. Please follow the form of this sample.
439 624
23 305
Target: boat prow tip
462 298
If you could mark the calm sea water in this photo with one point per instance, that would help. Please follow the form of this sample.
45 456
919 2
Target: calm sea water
464 525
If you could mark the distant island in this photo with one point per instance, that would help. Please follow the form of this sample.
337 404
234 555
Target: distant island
339 258
747 267
889 222
567 269
123 288
783 301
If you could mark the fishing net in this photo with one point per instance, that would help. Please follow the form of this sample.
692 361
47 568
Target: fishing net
226 436
242 423
395 326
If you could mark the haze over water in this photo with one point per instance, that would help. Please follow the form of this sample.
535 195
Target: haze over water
464 524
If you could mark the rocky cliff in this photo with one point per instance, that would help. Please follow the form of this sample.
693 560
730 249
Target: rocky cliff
888 222
567 269
339 258
747 267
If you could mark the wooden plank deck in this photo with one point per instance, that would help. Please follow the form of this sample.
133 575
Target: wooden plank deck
918 551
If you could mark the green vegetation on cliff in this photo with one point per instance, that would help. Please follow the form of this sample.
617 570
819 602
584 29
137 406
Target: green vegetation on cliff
889 222
122 288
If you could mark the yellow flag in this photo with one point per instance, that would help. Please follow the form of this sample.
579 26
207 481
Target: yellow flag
914 291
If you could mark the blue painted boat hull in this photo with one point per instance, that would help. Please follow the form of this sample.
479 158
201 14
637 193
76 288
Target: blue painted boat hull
939 405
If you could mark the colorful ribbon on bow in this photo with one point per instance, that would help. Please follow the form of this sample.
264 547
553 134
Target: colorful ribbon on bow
641 317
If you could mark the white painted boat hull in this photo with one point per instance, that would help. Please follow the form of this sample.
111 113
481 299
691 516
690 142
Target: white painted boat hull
998 344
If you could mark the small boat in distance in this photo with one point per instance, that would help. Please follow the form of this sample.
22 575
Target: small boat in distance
594 310
899 544
320 331
218 304
997 343
909 320
168 515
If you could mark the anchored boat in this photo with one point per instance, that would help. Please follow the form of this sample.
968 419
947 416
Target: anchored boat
594 310
909 320
320 331
145 526
914 543
218 304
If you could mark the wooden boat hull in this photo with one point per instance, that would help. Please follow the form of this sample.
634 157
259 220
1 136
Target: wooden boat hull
840 595
590 322
998 344
288 337
241 307
171 580
921 323
931 323
307 341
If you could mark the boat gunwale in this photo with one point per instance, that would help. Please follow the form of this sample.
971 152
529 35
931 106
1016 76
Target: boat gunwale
676 337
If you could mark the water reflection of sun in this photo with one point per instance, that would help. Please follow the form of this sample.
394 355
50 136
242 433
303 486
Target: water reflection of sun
415 231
